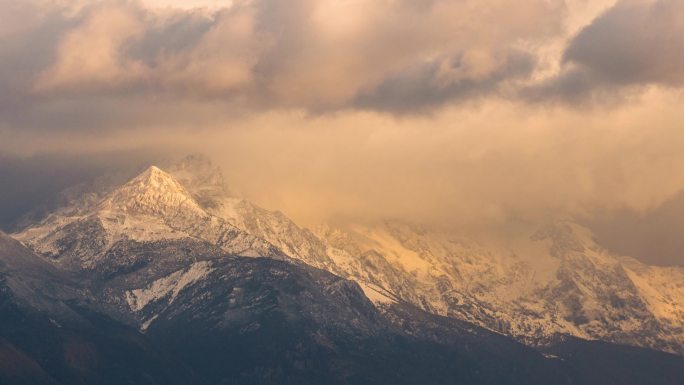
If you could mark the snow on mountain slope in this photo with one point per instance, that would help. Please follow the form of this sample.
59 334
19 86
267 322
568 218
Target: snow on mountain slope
154 193
662 288
557 281
447 276
590 293
205 183
168 286
593 297
153 206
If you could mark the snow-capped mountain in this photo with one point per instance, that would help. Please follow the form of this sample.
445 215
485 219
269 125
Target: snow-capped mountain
568 285
193 314
205 182
151 207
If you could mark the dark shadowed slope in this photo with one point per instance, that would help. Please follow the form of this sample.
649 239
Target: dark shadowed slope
49 336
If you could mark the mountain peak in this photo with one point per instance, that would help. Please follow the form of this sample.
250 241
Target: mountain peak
154 191
153 169
151 173
154 178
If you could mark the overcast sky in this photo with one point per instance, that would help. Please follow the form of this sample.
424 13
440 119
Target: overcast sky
466 114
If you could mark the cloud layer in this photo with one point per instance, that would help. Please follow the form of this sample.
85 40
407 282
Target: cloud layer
465 114
74 65
316 55
632 45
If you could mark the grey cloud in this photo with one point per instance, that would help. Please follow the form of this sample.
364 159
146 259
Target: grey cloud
180 32
654 235
28 41
421 88
71 68
574 85
238 83
633 44
265 54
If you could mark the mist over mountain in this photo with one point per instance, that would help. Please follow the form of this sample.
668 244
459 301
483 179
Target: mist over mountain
200 276
389 192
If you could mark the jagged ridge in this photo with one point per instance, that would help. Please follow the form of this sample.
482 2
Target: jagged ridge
582 290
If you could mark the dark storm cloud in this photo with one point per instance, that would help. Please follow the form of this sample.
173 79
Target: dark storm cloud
110 64
79 66
179 33
438 82
634 43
